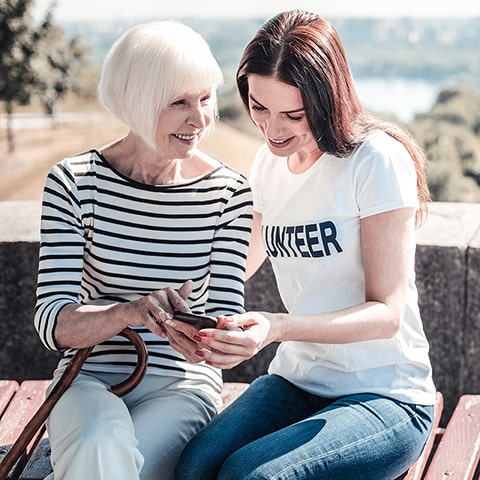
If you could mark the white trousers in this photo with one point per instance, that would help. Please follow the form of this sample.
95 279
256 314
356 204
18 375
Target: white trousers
96 435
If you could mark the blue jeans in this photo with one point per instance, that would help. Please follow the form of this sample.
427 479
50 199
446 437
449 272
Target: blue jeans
277 431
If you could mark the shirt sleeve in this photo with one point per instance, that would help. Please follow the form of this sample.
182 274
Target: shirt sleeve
384 176
229 252
61 252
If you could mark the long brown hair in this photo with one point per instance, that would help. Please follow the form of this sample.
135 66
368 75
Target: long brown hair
303 50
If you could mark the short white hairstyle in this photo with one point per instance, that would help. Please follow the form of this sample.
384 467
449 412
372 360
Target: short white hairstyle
149 66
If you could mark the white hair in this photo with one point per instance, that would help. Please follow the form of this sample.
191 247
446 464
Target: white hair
149 66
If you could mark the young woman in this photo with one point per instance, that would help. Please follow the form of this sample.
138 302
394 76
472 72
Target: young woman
337 197
131 231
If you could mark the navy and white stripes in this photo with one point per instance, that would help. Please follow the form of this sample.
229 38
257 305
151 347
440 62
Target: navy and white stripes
108 239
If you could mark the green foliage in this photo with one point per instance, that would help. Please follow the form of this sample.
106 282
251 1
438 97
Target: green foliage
60 66
18 42
450 135
34 60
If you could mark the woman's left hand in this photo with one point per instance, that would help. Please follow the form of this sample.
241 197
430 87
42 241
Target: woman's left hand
225 346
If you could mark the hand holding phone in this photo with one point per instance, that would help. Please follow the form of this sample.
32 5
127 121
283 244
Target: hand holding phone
198 321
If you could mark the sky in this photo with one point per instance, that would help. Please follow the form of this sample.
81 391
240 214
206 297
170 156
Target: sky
68 10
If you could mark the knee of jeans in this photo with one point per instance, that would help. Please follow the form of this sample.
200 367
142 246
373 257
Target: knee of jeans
199 459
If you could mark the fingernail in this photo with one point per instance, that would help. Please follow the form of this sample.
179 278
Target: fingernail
199 353
170 323
202 334
197 338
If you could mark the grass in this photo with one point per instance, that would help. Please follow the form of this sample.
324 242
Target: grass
22 173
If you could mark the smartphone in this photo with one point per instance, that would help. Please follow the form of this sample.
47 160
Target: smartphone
199 321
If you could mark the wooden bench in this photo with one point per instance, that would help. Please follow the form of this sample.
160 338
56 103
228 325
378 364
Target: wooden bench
451 453
18 404
457 453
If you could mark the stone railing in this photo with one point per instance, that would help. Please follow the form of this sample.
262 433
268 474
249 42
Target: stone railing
448 280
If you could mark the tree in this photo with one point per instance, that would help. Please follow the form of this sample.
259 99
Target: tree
34 60
18 40
59 66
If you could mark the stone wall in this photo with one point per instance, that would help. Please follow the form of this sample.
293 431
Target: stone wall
448 280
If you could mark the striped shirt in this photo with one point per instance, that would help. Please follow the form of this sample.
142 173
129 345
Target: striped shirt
106 239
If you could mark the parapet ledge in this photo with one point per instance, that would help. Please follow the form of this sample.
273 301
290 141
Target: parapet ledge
447 225
20 221
451 225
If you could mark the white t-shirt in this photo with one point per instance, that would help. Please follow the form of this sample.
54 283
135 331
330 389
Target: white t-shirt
311 231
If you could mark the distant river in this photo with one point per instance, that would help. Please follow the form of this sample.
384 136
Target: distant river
402 97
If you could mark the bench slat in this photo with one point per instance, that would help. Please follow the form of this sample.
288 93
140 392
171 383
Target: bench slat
458 452
21 408
7 391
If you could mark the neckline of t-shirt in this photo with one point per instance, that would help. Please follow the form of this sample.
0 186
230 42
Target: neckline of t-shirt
312 169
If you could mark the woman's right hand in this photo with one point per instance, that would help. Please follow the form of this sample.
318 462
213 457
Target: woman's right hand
81 326
154 309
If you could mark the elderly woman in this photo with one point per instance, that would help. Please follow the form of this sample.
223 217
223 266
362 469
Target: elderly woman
130 232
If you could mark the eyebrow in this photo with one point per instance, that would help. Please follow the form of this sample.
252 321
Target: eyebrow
288 111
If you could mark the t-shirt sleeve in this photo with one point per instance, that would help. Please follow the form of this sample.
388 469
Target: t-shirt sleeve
384 176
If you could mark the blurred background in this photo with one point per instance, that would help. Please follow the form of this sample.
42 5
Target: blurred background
417 63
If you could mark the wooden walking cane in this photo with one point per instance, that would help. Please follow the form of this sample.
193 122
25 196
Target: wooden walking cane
19 451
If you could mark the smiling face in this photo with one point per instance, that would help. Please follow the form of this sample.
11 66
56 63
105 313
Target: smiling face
183 123
278 111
